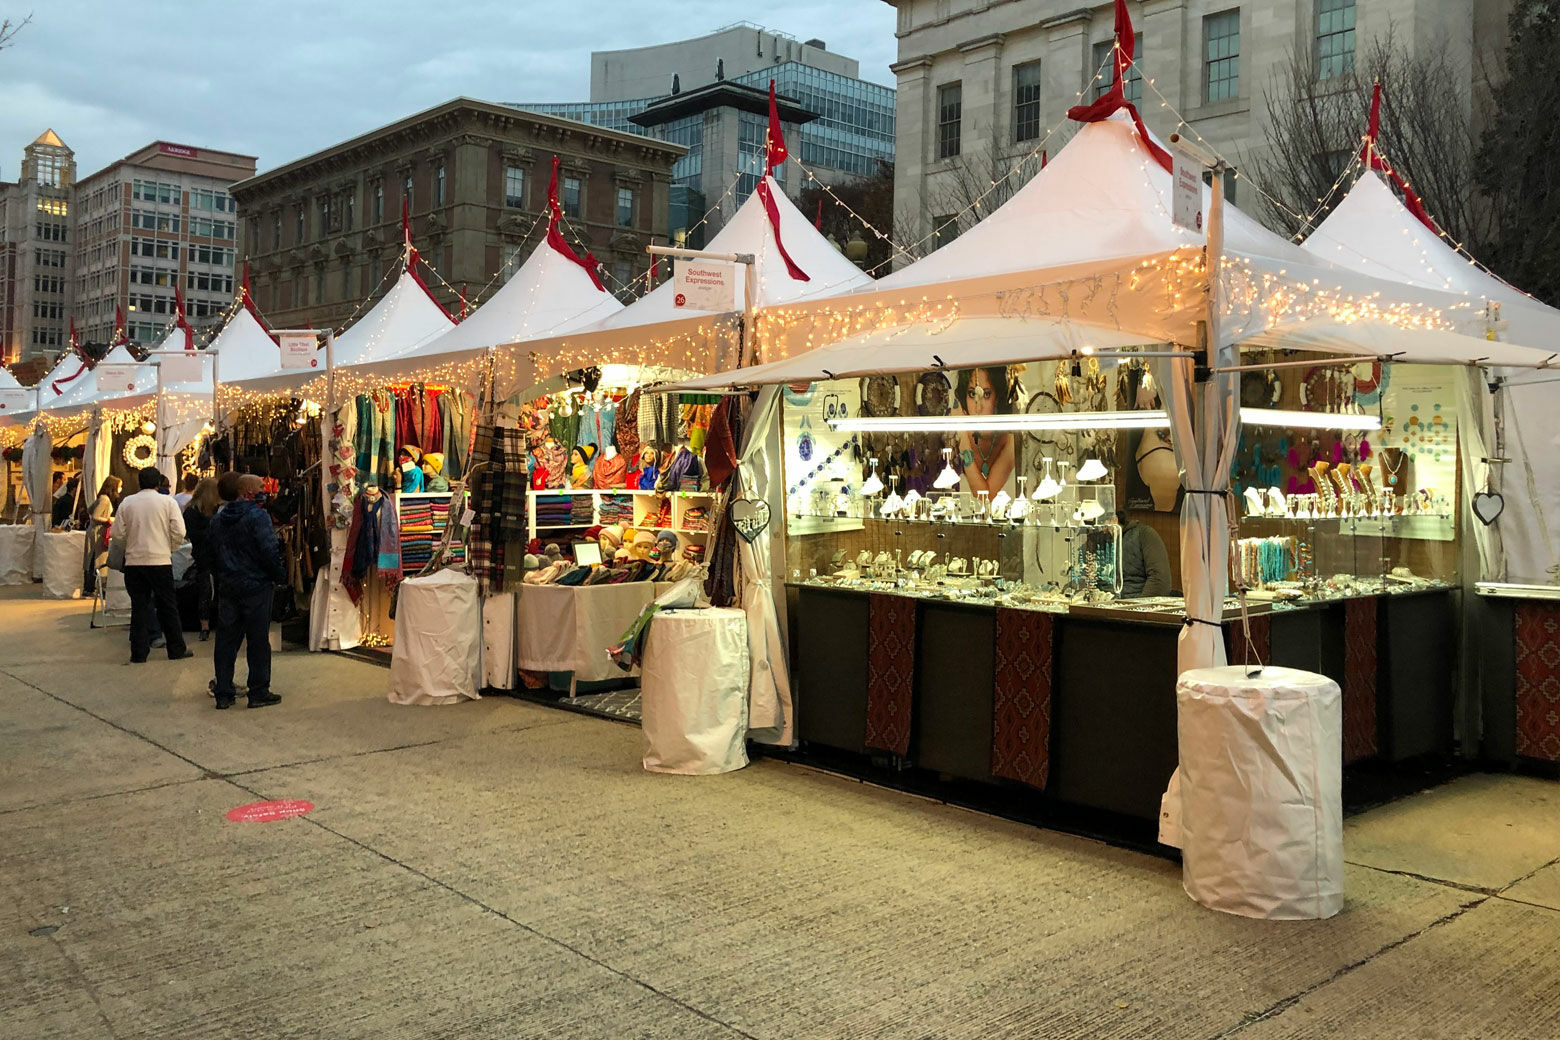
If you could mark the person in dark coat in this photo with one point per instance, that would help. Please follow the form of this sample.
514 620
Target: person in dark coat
203 505
248 565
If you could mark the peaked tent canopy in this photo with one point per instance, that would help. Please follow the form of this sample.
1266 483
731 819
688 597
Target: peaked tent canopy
88 392
403 319
1372 233
549 295
654 331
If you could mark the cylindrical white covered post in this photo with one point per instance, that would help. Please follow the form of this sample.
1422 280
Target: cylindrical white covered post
694 691
16 553
1261 772
437 658
61 556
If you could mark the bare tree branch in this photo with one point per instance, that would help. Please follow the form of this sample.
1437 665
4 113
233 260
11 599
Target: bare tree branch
9 29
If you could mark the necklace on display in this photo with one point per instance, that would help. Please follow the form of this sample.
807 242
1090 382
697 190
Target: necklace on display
1387 464
984 456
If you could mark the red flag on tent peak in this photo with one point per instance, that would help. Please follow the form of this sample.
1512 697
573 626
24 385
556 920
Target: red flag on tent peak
74 342
555 237
1370 155
774 144
1115 99
121 334
181 321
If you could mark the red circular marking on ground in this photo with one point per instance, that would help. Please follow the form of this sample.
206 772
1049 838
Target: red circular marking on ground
269 812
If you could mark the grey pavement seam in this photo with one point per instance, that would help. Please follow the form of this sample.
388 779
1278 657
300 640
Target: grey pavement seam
1280 1006
488 908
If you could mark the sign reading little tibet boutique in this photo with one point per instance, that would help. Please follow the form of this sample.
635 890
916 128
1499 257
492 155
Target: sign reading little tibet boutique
121 378
1186 206
15 401
704 285
299 350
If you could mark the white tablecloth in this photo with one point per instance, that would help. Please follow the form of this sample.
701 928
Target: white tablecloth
694 692
566 628
63 563
498 641
1261 792
16 553
437 656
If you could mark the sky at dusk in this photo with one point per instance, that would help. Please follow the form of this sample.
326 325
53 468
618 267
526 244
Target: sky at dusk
279 80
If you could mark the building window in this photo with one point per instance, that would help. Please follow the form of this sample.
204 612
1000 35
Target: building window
1221 56
324 215
346 282
1026 101
1105 69
950 105
351 210
625 207
944 230
319 285
406 193
276 232
302 220
571 197
1334 38
438 186
514 187
379 203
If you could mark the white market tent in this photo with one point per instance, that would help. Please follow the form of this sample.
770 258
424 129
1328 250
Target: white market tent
404 319
655 331
87 392
9 382
549 295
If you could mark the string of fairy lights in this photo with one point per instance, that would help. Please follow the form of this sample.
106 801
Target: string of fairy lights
1178 278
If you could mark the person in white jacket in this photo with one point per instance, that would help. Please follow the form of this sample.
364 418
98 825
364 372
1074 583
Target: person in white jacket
149 527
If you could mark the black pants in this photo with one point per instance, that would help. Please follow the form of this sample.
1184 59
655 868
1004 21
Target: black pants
243 617
151 593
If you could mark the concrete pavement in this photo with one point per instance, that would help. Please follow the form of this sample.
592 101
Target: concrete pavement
501 869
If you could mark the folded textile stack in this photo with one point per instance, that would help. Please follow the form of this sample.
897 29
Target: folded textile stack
696 519
662 517
581 510
616 509
554 510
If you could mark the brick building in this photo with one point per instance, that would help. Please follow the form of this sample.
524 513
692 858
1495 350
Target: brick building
322 232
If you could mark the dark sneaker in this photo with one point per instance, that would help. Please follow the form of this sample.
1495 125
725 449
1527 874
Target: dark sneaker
264 700
159 642
224 703
179 657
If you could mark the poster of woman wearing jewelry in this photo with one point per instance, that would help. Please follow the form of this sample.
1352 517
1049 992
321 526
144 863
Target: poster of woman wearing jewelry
986 457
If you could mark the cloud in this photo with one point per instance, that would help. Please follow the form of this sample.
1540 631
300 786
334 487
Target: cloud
281 80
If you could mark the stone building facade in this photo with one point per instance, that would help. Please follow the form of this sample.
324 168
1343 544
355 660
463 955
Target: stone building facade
323 235
980 82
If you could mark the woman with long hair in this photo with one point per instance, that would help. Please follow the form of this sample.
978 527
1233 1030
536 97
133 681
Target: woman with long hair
986 456
203 505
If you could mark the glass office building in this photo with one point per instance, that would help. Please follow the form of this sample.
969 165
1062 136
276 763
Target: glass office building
853 132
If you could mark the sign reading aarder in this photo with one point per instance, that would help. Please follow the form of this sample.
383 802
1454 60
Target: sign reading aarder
704 285
183 150
119 378
299 350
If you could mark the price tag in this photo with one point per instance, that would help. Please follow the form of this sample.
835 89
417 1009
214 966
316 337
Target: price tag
467 517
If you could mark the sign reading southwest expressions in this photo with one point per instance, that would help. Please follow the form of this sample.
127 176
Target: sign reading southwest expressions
15 401
182 150
703 285
1186 203
122 378
299 350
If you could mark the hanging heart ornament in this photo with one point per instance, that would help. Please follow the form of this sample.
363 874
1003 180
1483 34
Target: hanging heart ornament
750 516
1488 505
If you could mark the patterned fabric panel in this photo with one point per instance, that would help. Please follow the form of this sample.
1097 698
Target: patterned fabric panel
1359 680
1538 681
890 672
1021 724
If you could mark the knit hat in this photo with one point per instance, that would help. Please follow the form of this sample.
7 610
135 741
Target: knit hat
587 452
532 562
667 536
435 461
413 451
645 538
613 536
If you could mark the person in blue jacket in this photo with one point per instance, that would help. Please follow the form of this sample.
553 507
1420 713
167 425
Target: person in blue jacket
249 568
